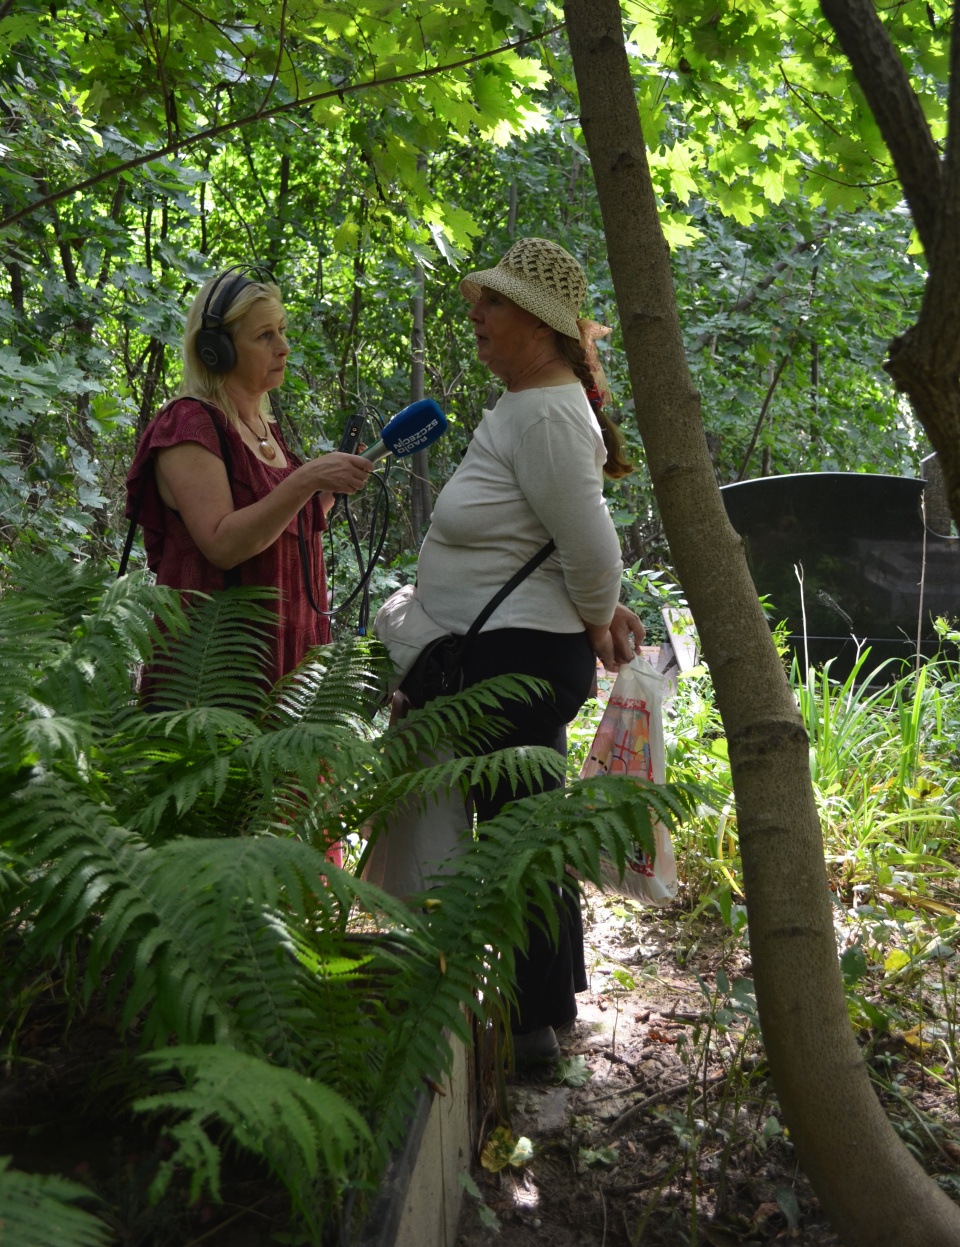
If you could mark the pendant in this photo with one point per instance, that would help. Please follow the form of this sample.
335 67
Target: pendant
266 449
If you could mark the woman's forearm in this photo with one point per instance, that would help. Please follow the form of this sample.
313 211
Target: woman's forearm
248 531
194 481
601 642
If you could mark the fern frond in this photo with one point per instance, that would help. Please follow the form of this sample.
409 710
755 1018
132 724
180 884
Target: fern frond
234 964
180 772
65 665
64 587
500 881
220 659
11 880
293 1122
120 629
307 754
467 722
198 933
96 878
335 684
377 797
51 737
36 1210
183 783
29 635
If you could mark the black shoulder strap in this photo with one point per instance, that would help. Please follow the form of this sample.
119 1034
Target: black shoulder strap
131 531
531 565
231 577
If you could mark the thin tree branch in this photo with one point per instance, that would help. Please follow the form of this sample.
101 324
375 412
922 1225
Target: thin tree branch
255 179
805 103
760 419
116 208
63 246
158 60
280 51
221 189
281 109
349 341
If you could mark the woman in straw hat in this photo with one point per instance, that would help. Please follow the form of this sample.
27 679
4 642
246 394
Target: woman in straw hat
534 471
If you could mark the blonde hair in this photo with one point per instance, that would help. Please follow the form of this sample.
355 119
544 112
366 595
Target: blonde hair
198 381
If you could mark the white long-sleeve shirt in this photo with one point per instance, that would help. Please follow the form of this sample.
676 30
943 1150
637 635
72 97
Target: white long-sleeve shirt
533 471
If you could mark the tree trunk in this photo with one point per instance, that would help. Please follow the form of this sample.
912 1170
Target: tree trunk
925 362
870 1186
347 366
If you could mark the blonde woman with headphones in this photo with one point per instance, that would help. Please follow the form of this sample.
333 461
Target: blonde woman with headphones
215 486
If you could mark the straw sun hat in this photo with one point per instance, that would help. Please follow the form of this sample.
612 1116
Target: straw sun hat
539 276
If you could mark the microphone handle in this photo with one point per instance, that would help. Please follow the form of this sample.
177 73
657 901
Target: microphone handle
377 451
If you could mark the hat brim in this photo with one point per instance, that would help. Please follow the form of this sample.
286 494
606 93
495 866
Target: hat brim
530 296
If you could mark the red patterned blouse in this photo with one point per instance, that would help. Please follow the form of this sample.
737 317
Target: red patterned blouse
175 559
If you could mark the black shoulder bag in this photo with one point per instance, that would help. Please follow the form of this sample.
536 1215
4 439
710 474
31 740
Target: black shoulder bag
438 669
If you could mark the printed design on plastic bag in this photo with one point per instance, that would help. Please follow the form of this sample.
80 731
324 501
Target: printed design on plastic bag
629 741
625 751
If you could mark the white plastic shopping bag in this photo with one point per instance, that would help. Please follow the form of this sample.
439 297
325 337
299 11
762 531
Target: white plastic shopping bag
629 741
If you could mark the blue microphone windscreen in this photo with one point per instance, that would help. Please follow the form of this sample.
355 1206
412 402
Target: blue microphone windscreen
415 427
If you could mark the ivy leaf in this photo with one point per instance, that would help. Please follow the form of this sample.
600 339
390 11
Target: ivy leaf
574 1071
503 1149
853 964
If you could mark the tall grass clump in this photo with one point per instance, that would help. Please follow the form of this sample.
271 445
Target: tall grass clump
884 766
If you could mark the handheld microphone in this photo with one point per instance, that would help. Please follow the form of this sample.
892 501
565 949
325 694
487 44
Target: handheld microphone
410 430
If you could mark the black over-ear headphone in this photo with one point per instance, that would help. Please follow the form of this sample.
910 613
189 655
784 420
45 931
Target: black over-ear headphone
214 342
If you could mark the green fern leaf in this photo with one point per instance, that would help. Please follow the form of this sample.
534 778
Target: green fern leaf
338 684
36 1210
291 1121
220 658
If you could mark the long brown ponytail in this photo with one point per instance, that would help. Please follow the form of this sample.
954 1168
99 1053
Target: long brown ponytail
617 464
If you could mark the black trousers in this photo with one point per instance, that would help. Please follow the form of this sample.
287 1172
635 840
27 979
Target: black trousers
548 974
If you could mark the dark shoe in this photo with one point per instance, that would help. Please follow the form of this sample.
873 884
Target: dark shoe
536 1048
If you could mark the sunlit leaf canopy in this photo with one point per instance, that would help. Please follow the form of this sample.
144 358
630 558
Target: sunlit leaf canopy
756 102
98 92
144 146
750 101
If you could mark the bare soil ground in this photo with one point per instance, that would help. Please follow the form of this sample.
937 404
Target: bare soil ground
675 1136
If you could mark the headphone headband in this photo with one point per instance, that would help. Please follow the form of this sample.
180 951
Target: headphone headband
238 281
214 343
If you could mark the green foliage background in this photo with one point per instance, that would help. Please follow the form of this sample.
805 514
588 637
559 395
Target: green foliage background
356 147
